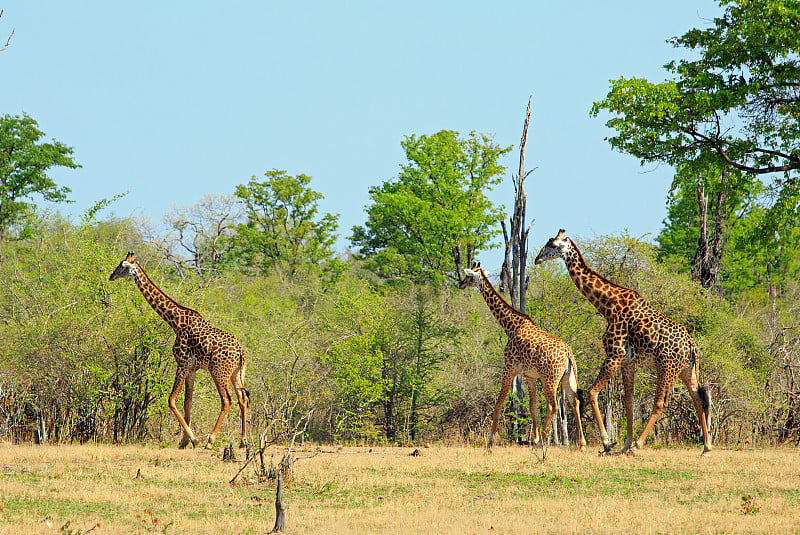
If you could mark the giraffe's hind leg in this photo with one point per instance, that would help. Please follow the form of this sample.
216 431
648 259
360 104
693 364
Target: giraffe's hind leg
549 392
243 398
221 381
700 400
663 387
569 384
628 379
533 409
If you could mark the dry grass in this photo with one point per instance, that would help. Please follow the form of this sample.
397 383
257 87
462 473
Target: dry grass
384 490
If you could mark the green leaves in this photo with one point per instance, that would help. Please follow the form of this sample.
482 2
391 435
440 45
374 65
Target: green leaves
282 225
436 210
23 168
733 108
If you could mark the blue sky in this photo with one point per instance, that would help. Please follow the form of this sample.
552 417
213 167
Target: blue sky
172 100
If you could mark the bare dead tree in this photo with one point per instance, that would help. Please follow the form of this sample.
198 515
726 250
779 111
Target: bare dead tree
512 277
708 256
202 231
8 41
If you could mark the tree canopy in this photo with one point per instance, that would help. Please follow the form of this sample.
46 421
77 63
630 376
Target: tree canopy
24 163
732 111
282 223
435 216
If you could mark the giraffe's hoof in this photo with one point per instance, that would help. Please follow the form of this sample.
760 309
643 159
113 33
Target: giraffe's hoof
607 448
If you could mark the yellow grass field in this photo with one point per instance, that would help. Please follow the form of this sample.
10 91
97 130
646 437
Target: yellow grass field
386 490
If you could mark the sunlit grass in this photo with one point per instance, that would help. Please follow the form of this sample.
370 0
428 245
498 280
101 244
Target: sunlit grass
385 490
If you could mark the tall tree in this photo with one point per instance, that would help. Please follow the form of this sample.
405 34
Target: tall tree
283 224
736 102
24 163
205 231
513 277
435 216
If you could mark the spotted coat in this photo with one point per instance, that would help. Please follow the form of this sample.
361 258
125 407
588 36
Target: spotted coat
636 333
198 346
531 352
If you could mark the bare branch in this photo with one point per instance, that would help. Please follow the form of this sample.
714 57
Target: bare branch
9 37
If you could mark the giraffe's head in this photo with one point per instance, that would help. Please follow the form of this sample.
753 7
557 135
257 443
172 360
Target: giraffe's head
125 269
557 247
472 277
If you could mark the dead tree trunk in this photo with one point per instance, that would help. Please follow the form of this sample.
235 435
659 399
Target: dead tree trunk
512 277
708 256
280 516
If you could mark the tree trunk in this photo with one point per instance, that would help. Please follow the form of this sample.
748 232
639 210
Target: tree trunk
280 516
512 276
708 256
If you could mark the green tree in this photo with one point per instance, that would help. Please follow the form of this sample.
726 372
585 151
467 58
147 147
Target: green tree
735 104
24 163
282 223
435 216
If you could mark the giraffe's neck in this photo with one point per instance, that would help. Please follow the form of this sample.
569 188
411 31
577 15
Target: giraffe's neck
170 311
597 289
506 316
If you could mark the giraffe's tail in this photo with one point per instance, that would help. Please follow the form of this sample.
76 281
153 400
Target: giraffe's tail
570 382
240 372
702 391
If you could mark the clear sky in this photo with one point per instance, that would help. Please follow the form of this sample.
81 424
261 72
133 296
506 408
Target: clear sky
172 100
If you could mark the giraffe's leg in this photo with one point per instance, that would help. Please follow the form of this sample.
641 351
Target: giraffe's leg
533 409
242 397
225 403
508 376
549 392
628 379
615 353
188 397
663 387
180 377
689 378
569 383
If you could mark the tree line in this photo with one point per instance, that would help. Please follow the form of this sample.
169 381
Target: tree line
377 344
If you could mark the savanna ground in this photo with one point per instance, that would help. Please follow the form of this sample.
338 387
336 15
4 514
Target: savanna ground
387 490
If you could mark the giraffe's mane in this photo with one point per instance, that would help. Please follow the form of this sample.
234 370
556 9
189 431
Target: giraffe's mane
161 292
505 303
595 273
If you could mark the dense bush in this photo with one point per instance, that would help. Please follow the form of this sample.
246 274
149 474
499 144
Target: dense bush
347 357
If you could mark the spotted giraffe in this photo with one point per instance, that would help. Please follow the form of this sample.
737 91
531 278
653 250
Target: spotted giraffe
531 352
636 333
198 346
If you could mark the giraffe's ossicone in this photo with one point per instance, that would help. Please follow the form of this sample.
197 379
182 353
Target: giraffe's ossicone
531 352
636 333
198 346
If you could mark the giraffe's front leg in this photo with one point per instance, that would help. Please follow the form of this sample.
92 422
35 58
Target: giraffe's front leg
508 376
188 398
180 377
614 345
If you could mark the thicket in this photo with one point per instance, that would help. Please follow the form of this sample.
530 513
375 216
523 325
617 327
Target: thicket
360 358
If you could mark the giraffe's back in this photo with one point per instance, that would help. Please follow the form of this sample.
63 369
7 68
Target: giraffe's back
538 353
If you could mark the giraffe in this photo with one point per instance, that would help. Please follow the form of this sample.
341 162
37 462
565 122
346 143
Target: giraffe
636 333
198 346
532 352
